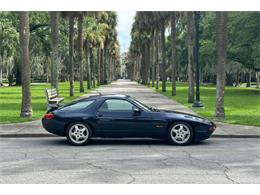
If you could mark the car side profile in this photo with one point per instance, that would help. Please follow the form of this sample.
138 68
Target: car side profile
120 116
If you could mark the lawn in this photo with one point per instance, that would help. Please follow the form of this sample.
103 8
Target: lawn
11 98
242 105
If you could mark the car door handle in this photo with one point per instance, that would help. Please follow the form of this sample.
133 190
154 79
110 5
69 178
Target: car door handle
99 114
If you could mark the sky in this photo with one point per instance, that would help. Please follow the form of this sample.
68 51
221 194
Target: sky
125 21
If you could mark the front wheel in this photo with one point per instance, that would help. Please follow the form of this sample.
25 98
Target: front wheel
180 133
78 134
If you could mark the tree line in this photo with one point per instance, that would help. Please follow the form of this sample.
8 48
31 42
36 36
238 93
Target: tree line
58 46
163 46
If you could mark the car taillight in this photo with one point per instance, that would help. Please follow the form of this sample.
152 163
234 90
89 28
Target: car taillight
212 128
48 116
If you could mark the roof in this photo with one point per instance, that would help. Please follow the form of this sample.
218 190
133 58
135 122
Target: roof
107 96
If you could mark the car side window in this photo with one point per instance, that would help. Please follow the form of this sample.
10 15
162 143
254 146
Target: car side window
77 106
116 105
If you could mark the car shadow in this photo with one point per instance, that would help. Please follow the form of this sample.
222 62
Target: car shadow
124 141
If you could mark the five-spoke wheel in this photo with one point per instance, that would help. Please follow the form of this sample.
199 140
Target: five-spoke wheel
180 133
78 133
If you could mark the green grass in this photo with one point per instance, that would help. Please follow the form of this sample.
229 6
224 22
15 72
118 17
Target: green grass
242 105
11 98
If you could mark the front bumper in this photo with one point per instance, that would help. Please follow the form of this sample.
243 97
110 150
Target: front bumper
204 132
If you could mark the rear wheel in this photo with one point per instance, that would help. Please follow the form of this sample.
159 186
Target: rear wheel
78 133
180 133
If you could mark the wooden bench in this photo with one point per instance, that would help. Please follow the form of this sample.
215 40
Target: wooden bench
52 96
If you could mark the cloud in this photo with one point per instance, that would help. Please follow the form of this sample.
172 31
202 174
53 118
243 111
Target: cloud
125 21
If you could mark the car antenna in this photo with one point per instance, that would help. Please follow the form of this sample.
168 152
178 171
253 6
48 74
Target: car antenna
98 92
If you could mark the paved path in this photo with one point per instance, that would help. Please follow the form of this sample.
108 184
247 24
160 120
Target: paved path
51 160
143 94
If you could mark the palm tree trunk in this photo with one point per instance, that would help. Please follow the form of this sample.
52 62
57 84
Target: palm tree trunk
98 66
26 109
106 64
157 52
102 66
1 71
190 42
248 84
143 69
1 76
138 60
55 49
221 41
174 52
71 51
163 59
153 58
257 79
88 66
147 64
138 66
92 63
80 46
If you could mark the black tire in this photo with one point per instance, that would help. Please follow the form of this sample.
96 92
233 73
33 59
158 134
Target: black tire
72 138
171 136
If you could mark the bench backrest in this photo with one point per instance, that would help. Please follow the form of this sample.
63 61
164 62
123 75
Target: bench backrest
51 93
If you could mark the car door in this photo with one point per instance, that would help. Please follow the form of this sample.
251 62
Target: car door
115 118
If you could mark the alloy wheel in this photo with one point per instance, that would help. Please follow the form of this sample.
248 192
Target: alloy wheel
180 133
78 133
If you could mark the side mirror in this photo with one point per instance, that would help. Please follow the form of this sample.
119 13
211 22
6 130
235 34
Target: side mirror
136 111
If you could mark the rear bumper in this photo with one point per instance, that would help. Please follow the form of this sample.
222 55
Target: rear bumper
53 126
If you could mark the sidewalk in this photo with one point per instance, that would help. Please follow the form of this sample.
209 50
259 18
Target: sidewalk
143 94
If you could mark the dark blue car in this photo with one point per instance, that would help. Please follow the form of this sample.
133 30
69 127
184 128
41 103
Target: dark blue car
118 116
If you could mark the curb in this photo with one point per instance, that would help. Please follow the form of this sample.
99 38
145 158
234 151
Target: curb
236 136
34 135
23 135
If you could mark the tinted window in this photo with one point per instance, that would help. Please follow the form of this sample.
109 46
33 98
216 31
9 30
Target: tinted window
116 105
78 106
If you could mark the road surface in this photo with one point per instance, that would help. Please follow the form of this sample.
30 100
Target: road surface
51 160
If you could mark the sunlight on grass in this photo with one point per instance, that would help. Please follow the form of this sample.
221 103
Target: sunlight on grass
242 105
11 97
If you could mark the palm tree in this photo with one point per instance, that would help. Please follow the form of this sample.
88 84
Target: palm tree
109 41
80 50
142 28
26 109
190 42
174 52
162 19
55 48
95 35
221 41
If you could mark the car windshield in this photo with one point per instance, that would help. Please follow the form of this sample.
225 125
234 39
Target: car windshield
143 106
77 105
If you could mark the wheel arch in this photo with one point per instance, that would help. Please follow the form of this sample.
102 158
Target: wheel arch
184 121
81 121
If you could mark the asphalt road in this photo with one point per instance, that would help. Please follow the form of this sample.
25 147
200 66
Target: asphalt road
51 160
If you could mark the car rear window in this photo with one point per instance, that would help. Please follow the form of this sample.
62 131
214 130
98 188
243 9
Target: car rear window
77 106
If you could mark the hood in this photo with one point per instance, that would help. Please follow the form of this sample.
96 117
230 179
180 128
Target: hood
176 112
186 116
